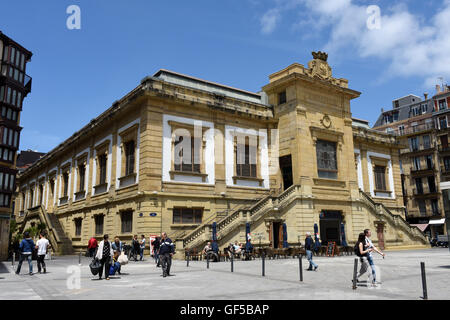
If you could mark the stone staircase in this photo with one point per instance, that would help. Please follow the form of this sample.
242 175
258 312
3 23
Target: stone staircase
61 244
384 213
251 214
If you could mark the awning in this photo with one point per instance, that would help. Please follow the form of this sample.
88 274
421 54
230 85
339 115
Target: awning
421 226
438 221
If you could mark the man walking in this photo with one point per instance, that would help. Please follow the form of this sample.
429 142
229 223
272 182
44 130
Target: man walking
309 246
136 247
369 245
166 251
92 246
26 251
42 245
155 244
142 247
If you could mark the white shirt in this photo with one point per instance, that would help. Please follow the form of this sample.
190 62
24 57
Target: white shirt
42 246
369 244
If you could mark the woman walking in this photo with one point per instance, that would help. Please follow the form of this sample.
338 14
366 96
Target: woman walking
104 255
363 255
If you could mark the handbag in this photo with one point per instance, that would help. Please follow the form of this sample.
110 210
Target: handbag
123 259
95 266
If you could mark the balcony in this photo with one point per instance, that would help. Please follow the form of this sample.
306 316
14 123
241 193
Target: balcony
415 129
444 149
425 193
15 76
419 148
428 170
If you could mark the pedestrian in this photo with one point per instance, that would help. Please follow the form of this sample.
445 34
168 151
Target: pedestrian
92 246
42 246
155 244
309 246
370 245
117 245
104 255
136 247
26 248
166 251
142 247
362 251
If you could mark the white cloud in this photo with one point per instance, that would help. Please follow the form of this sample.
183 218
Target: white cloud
269 21
410 44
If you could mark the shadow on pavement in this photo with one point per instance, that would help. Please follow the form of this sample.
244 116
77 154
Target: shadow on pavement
445 267
3 268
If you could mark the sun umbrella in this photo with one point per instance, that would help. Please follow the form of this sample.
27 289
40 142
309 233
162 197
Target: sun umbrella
214 244
247 232
344 242
316 237
285 243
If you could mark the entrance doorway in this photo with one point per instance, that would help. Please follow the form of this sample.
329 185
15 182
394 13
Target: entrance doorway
330 226
286 171
277 235
380 235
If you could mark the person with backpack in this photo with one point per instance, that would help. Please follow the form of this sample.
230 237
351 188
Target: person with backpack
136 247
370 245
309 246
155 244
362 251
26 250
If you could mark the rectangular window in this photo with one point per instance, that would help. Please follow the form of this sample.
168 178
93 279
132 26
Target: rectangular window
187 216
426 142
187 160
99 224
419 187
442 104
129 154
31 198
246 157
41 193
422 207
326 159
416 161
434 207
102 164
431 184
380 178
65 183
429 159
443 122
282 97
447 163
127 221
82 175
78 224
413 144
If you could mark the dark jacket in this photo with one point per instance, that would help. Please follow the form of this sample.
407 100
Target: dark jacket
309 243
155 244
27 245
166 246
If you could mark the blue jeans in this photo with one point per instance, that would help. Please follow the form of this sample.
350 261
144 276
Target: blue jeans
309 256
156 254
142 253
22 258
372 265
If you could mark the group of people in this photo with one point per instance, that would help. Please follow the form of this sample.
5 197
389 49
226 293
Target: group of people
26 248
363 249
240 248
108 253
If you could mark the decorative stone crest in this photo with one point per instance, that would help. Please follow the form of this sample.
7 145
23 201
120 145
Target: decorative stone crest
326 121
319 66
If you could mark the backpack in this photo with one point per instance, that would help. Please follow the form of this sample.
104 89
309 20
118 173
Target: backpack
356 249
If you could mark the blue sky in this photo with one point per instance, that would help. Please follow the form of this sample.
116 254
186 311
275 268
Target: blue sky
77 74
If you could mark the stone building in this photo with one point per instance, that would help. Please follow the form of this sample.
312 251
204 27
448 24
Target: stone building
15 84
421 127
178 153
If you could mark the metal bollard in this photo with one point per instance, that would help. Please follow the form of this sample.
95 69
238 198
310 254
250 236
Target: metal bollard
187 259
424 281
207 261
13 259
232 263
263 264
355 270
300 256
79 259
